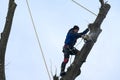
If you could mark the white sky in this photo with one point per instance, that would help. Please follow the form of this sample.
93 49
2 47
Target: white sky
53 18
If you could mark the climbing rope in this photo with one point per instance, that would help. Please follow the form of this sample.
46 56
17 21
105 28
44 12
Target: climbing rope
78 43
84 7
38 39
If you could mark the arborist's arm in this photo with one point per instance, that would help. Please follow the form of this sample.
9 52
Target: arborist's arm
85 37
78 35
84 32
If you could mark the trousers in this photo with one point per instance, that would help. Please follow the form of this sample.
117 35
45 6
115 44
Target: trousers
67 52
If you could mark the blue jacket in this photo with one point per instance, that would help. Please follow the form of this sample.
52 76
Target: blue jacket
72 37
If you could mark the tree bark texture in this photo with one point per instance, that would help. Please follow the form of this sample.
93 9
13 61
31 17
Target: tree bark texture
74 70
4 37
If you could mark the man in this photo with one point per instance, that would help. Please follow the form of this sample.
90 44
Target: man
69 48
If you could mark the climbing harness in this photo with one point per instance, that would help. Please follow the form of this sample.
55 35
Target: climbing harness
84 7
38 39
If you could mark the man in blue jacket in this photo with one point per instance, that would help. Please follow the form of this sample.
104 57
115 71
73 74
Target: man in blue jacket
69 48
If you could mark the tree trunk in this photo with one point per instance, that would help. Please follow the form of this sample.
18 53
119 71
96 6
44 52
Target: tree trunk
5 36
74 70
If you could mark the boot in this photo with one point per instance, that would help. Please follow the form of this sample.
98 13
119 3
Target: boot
62 73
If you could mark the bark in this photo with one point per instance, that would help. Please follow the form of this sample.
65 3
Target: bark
74 70
4 37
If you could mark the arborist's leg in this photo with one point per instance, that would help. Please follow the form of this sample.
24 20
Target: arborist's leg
74 51
63 65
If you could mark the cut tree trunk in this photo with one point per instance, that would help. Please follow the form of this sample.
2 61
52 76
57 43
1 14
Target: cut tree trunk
74 70
5 36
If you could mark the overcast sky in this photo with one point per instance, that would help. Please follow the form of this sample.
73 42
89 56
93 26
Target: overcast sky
53 18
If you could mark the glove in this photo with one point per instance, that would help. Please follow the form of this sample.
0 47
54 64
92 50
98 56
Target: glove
85 37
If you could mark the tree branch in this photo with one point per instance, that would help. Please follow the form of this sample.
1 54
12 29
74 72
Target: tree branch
4 37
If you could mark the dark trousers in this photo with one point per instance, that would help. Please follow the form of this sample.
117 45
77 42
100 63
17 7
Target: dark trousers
67 52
